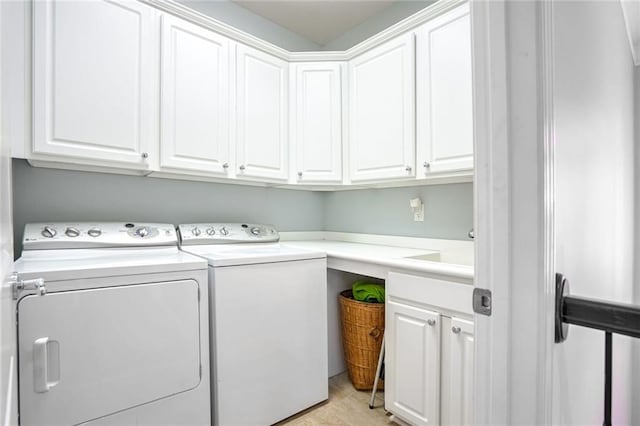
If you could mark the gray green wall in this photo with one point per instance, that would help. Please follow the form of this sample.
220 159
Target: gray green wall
49 195
42 195
448 211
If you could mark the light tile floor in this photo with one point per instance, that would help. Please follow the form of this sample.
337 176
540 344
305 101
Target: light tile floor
346 407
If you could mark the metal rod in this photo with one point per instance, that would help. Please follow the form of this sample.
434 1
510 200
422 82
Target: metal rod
375 382
612 317
607 378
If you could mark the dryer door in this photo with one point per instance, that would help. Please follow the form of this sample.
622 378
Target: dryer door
89 353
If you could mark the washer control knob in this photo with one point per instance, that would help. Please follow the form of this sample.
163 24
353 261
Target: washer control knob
211 231
196 231
72 232
224 231
49 232
255 230
94 232
142 232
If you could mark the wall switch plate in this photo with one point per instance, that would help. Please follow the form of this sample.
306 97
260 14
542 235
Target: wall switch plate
418 215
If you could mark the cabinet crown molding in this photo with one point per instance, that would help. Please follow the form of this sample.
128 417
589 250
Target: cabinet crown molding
220 27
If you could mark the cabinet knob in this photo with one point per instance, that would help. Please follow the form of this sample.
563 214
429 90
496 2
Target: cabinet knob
241 167
427 165
145 155
431 322
299 174
225 166
408 169
455 330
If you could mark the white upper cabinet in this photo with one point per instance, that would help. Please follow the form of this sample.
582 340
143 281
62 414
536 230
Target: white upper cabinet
262 115
94 79
317 122
194 102
444 88
381 112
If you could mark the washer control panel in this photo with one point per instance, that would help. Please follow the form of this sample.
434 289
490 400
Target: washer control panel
221 233
58 235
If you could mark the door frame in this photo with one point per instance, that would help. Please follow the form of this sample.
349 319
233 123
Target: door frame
491 204
513 62
8 345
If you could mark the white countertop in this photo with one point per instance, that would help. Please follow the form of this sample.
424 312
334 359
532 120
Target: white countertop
383 258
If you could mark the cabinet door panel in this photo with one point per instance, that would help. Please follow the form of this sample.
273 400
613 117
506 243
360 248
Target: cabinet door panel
381 110
457 374
444 83
413 363
262 115
317 128
195 98
94 80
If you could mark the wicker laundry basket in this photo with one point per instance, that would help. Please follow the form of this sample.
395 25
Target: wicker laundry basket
362 332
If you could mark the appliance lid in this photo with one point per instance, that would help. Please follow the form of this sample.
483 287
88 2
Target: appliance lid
249 254
78 264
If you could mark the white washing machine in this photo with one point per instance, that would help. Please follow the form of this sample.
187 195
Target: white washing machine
112 327
268 308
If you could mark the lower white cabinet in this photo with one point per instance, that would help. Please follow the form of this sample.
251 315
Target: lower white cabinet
429 351
412 363
457 372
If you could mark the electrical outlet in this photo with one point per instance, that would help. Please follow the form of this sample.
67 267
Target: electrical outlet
418 216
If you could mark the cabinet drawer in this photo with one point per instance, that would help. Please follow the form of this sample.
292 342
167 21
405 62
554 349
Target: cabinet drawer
430 291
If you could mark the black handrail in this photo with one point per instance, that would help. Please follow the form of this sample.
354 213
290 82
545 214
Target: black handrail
618 318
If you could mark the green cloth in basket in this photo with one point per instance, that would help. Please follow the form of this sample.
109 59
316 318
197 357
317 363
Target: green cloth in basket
368 292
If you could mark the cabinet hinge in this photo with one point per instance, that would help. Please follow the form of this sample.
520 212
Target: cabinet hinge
482 301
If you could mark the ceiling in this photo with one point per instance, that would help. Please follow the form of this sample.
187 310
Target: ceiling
318 21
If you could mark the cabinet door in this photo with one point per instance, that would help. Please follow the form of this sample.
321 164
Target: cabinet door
457 373
262 115
412 366
317 127
381 112
444 87
93 81
194 98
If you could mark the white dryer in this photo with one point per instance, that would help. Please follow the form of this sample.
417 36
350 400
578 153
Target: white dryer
268 308
112 327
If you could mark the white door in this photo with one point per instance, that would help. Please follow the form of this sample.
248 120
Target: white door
457 372
594 130
562 178
381 112
194 98
444 94
316 133
8 355
93 81
89 353
262 115
412 364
